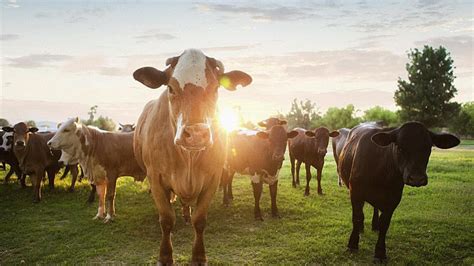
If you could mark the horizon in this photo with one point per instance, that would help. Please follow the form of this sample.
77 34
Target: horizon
61 58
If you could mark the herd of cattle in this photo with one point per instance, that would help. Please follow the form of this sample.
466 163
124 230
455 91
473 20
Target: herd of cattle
180 147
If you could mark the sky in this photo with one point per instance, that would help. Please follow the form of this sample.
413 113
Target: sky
59 58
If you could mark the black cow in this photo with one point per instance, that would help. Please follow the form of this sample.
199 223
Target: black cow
376 163
272 121
309 147
259 154
7 156
338 143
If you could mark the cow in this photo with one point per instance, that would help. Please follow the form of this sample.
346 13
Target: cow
338 143
34 155
272 121
376 163
178 142
7 156
309 147
104 156
259 154
126 127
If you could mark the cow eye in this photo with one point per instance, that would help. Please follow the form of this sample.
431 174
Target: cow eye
66 130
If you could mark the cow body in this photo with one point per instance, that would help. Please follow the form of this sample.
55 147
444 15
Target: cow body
338 143
178 142
7 156
104 156
376 163
309 148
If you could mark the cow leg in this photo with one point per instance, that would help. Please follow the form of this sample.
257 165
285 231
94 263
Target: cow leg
92 194
257 193
186 210
101 191
228 187
298 166
36 182
22 178
308 178
67 169
82 172
9 174
51 176
110 198
74 172
292 161
357 220
319 173
167 219
375 220
384 223
273 195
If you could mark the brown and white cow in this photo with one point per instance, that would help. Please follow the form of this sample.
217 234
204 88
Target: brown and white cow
34 155
7 156
178 143
104 156
126 127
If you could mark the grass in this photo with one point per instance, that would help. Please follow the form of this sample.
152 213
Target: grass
433 224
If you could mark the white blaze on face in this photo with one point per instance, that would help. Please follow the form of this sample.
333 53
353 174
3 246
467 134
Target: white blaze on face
5 145
66 138
179 129
191 68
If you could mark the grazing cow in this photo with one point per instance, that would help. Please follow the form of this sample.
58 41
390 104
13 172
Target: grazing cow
259 154
34 155
338 143
178 143
7 156
376 163
272 121
309 147
104 156
126 127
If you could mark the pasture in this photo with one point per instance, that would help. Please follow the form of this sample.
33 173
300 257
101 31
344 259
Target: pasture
433 224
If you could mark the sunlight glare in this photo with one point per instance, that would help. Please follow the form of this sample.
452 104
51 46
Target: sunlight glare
229 119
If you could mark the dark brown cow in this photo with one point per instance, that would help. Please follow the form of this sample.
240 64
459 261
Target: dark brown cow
178 143
309 147
34 156
259 154
376 163
272 121
338 143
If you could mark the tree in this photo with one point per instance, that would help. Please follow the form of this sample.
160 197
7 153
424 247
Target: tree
336 118
380 114
426 95
4 122
302 114
463 122
92 112
104 123
30 123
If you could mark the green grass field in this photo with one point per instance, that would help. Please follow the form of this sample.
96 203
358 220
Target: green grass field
433 224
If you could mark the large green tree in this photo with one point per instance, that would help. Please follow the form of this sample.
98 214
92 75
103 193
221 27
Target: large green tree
104 123
302 114
463 122
380 114
336 118
426 95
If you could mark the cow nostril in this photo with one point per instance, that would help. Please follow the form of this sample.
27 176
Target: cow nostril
186 134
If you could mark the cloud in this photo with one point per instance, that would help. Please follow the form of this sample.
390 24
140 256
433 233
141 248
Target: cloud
227 48
276 13
155 37
9 37
37 60
12 4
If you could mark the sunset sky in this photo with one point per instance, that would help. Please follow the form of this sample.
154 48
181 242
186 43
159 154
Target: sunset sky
58 58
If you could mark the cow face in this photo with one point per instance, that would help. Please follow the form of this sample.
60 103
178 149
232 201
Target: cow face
413 142
321 136
68 137
21 134
6 141
192 79
272 121
126 128
277 137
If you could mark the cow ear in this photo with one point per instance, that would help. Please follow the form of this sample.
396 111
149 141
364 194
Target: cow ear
383 138
444 140
232 79
310 133
33 129
334 134
283 122
7 129
262 135
292 134
150 77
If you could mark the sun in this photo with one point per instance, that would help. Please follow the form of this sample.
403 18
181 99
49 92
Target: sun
229 119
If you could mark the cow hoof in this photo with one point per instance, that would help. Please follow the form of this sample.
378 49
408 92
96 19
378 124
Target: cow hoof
276 215
108 218
294 185
353 250
70 190
159 263
380 260
258 218
320 192
98 217
306 194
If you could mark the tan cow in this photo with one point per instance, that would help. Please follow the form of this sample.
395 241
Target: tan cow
104 156
178 143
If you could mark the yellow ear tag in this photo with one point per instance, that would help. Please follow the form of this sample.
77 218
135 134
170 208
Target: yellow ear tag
224 81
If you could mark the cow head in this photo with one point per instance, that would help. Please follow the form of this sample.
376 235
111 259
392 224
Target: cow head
192 80
68 137
6 141
277 137
270 122
21 134
321 136
413 142
126 127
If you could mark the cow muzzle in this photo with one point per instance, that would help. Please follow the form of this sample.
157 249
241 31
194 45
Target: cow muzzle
195 137
20 143
416 180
